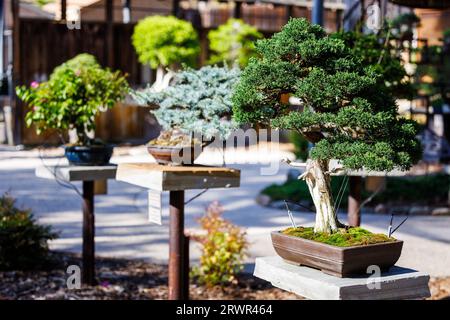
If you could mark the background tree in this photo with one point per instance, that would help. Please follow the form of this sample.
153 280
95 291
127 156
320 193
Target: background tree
165 42
233 43
348 114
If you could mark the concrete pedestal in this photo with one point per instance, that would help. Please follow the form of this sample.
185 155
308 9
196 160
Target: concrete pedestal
398 283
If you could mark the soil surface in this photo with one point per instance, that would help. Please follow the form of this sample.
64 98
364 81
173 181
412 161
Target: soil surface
123 279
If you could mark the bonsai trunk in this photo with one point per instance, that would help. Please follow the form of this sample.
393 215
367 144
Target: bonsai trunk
318 180
162 79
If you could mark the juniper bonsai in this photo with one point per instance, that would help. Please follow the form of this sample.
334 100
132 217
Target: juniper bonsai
197 101
346 112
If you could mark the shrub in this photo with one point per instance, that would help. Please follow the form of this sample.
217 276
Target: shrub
300 145
75 93
232 43
197 101
164 41
23 243
223 248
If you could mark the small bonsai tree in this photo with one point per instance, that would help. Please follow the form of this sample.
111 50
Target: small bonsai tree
348 114
233 43
165 42
198 101
75 93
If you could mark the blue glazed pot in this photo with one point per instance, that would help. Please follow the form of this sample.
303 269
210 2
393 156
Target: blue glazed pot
95 155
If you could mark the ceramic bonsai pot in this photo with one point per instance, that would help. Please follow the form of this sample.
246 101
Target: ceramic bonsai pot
337 261
174 155
95 155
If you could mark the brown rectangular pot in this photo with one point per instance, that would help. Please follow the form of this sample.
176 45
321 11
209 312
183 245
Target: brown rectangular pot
337 261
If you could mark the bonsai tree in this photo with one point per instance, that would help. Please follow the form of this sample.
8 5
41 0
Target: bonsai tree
75 93
198 101
233 43
165 42
348 113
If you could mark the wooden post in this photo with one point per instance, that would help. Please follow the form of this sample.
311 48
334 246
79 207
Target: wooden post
354 201
88 274
177 290
237 9
109 33
289 12
175 7
186 267
63 10
17 106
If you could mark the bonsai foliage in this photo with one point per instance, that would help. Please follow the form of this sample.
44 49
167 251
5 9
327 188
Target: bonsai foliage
75 93
197 101
23 243
375 51
233 43
348 112
223 248
165 42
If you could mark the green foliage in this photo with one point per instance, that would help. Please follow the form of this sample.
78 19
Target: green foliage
402 26
373 50
343 238
197 101
23 243
223 248
300 145
426 190
348 112
233 43
165 41
75 93
297 191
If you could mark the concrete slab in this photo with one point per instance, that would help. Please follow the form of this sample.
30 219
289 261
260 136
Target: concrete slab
398 283
77 173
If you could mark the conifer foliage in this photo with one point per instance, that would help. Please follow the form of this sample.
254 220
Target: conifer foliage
347 112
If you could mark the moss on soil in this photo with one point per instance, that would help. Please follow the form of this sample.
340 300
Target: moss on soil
343 238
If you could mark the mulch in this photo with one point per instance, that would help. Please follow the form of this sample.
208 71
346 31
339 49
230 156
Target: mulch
123 279
120 279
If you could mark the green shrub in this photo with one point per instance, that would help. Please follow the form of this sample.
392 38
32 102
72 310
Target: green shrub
223 248
431 189
23 243
165 41
300 145
233 43
75 93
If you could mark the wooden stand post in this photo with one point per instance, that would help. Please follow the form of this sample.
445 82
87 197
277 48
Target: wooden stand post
177 254
88 274
354 201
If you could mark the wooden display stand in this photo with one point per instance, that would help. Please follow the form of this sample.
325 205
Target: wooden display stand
89 175
177 179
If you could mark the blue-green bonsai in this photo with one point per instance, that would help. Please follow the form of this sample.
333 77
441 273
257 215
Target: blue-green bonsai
197 101
346 111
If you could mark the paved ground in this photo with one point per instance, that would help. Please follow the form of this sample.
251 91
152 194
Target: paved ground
123 231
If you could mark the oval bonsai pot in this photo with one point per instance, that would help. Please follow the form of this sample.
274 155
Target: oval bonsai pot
337 261
177 155
94 155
